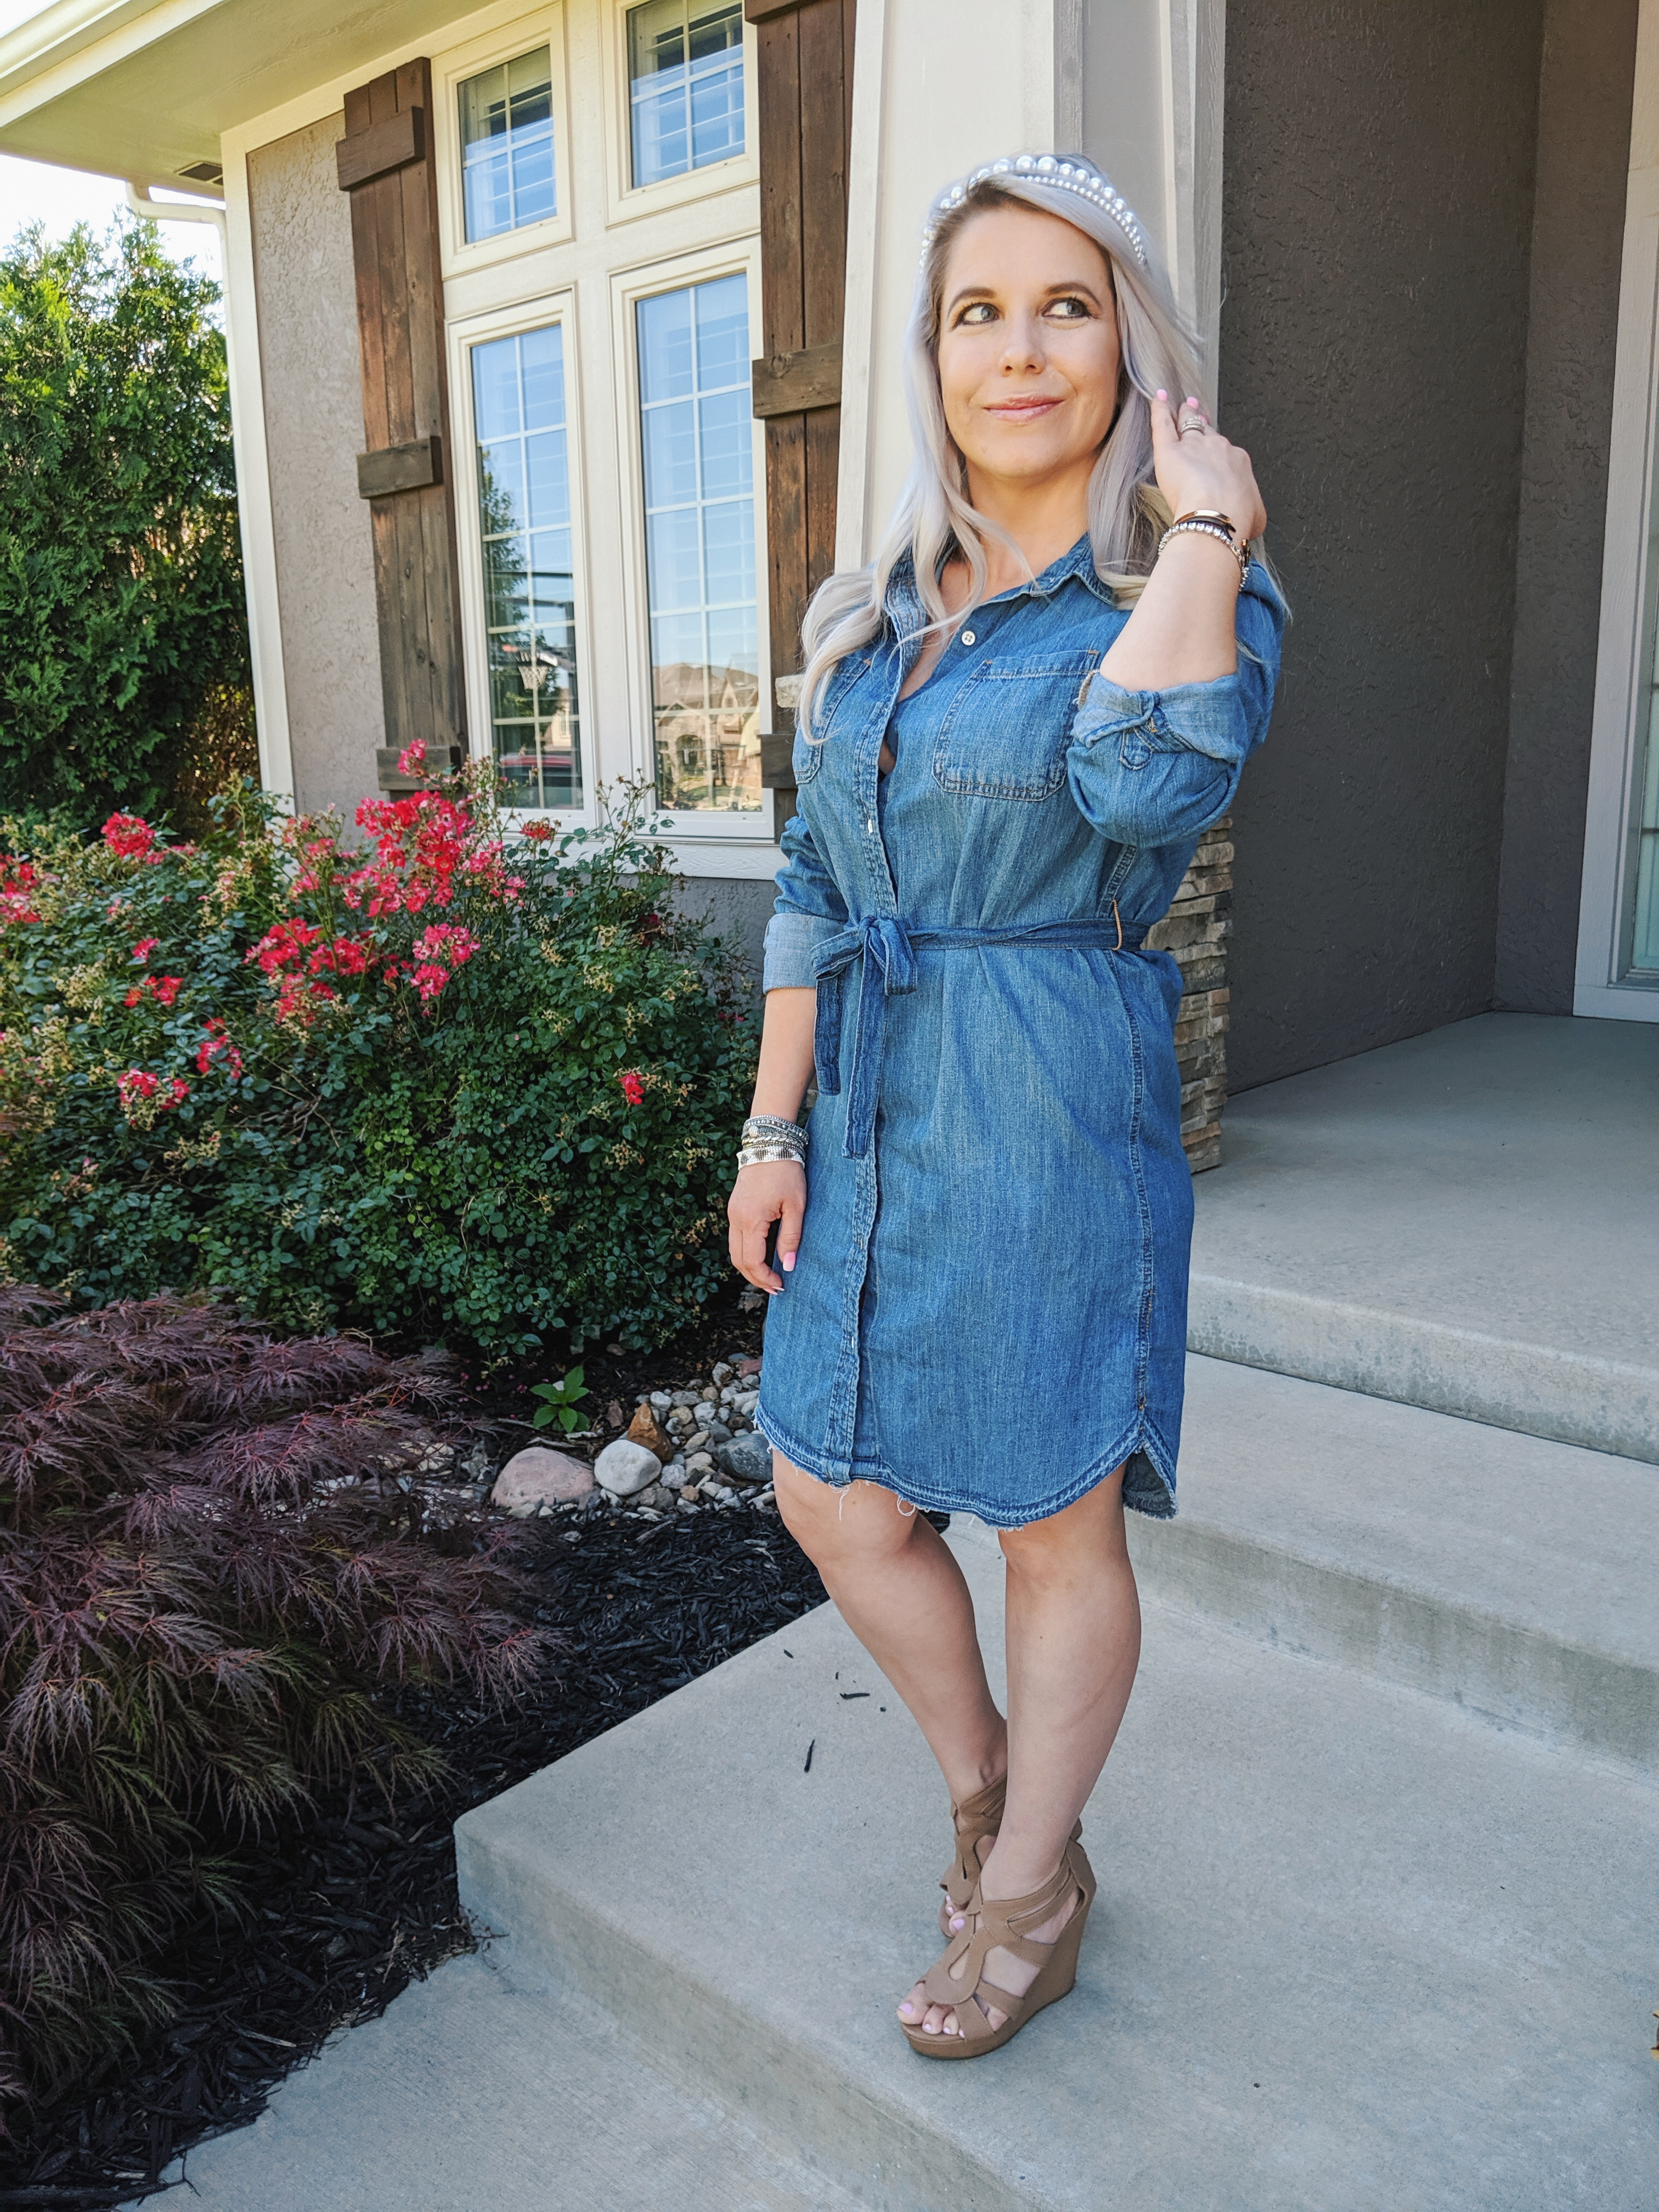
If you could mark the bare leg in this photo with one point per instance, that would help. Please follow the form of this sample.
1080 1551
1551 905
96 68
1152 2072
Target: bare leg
899 1587
1073 1618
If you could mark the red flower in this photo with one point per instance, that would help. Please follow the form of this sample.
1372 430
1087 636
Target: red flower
144 947
138 1087
412 759
127 837
164 988
633 1089
17 882
284 943
215 1044
537 832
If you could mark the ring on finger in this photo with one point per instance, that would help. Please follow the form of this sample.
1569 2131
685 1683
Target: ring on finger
1193 422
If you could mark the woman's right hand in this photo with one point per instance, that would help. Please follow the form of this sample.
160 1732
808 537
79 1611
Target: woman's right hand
775 1190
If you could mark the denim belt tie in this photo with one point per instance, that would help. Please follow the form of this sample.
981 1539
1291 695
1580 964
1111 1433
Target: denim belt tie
887 949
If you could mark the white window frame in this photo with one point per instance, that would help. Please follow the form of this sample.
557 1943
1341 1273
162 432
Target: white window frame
450 70
1614 799
625 200
463 335
692 826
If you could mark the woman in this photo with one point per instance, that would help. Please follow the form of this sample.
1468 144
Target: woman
1013 727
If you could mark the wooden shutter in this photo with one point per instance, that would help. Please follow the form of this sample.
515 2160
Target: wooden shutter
385 163
805 101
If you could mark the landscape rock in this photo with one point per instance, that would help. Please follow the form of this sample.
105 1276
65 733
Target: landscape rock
646 1429
540 1476
747 1458
625 1468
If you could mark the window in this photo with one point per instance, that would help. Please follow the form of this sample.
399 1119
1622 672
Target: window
530 611
696 435
507 146
1644 948
685 85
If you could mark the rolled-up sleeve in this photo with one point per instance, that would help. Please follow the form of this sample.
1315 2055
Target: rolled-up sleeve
809 909
1152 768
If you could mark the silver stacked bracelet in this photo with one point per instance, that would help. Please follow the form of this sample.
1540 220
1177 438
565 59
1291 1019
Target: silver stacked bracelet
766 1137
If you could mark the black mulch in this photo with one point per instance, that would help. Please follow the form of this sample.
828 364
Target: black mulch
357 1904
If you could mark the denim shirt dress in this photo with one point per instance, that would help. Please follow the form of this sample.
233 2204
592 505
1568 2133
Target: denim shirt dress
988 1310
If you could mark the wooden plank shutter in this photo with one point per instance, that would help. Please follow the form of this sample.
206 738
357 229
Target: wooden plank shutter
385 163
805 101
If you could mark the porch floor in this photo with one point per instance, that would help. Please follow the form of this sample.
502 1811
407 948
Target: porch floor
1465 1221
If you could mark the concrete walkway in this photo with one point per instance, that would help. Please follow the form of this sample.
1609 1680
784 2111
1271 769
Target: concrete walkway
1467 1221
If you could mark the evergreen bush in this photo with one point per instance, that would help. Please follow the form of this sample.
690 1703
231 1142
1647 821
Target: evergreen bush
121 605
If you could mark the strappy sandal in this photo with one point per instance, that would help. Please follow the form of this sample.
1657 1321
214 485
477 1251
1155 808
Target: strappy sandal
976 1817
1001 1924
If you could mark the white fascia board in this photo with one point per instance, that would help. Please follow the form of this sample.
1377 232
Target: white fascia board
50 53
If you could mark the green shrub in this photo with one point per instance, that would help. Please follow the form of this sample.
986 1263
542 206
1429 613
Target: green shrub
455 1082
121 605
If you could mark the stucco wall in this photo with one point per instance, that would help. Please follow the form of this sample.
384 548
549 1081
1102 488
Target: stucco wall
1377 213
1584 149
301 223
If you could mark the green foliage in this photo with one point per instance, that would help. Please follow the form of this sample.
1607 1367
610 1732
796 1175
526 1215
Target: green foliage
440 1085
560 1403
121 606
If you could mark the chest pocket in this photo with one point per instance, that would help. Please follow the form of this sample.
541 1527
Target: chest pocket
1005 734
839 712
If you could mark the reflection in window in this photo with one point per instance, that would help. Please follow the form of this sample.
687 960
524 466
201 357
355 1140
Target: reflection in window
507 145
530 613
696 434
685 81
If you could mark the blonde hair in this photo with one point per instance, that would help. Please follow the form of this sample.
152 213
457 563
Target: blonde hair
933 517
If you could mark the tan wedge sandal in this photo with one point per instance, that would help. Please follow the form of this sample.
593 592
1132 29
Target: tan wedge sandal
975 1818
1000 1925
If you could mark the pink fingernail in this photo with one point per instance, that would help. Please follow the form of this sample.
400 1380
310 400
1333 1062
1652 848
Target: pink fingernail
788 1263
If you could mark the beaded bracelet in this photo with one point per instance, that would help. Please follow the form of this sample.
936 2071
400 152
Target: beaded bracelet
1221 530
770 1128
757 1156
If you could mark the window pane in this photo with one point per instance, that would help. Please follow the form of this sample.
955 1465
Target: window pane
666 367
696 439
685 85
530 599
507 145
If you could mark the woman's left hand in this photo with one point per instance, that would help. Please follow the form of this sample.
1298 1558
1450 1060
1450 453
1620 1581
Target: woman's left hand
1198 468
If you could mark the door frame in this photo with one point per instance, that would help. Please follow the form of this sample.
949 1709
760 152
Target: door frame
1629 584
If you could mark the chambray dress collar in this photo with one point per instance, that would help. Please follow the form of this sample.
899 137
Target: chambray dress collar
906 614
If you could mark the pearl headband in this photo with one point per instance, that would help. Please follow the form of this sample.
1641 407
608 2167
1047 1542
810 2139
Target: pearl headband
1046 169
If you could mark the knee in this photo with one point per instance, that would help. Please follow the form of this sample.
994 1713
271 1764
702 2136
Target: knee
833 1524
1082 1539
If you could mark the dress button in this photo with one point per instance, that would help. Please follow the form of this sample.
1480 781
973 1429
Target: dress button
968 637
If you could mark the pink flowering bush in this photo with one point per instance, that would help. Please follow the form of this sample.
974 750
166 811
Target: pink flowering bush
445 1079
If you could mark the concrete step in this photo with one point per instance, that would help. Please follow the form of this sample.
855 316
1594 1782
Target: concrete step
1467 1221
472 2094
1353 1947
1512 1575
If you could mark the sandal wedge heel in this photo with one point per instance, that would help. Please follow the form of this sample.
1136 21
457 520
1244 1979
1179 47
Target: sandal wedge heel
1002 1923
